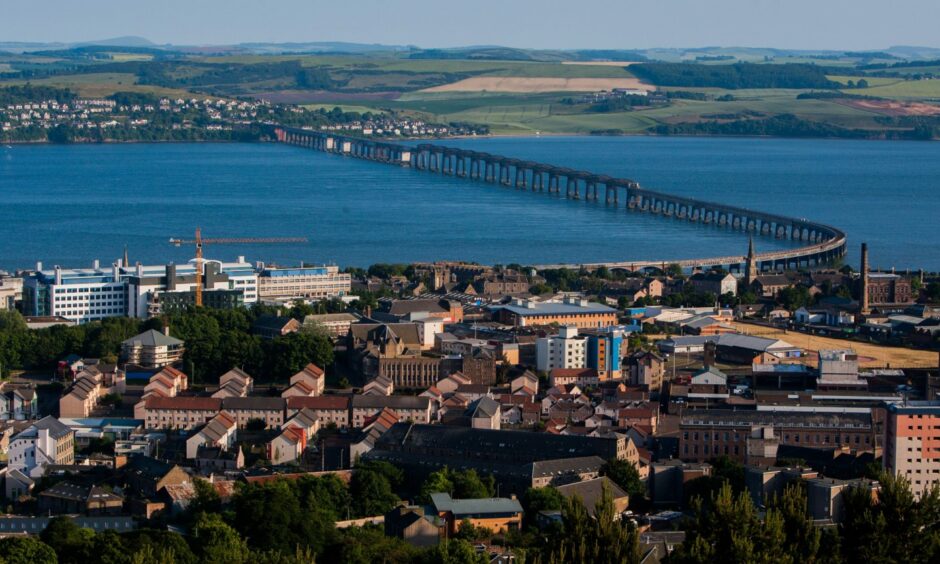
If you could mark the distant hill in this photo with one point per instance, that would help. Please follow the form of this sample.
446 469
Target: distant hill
124 41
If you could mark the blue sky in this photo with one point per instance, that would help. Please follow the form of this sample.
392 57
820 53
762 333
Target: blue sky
805 24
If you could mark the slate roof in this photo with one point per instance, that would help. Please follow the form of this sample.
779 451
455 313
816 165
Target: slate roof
152 338
475 507
590 491
562 466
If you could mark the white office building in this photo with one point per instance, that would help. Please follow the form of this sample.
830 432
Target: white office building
90 294
309 282
567 349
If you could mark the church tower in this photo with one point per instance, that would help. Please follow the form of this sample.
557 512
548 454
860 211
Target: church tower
750 270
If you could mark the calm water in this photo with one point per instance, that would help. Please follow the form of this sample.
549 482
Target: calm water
71 204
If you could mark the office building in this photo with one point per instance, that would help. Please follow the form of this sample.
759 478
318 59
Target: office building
317 282
912 443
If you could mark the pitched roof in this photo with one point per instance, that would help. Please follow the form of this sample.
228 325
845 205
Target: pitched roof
484 407
319 402
152 338
562 466
184 402
254 403
590 491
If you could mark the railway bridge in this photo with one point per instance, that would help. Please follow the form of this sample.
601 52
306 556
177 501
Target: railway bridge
824 243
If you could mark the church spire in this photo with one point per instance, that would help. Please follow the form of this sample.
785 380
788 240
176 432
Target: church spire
750 270
126 263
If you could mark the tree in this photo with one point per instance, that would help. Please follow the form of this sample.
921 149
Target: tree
602 538
794 297
673 270
803 537
215 542
729 530
371 493
70 542
624 474
535 500
436 482
26 550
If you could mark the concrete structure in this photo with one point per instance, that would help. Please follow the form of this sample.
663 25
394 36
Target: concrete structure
308 282
152 349
88 294
567 349
912 443
336 324
706 434
576 312
825 243
45 442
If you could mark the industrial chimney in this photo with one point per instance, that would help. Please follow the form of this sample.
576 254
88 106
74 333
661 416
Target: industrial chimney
863 299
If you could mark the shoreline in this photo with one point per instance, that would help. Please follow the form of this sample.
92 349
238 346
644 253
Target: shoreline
487 136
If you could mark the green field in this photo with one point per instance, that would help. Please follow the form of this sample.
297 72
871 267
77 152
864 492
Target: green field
903 89
96 85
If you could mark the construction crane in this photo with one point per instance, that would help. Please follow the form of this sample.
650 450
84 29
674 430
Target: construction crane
199 242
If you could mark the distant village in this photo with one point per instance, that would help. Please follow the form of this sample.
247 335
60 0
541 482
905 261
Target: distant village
535 378
132 117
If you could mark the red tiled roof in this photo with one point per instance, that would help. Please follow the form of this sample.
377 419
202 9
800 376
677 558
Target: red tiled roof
320 402
184 402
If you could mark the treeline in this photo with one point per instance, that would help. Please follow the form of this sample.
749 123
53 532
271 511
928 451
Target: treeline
293 521
34 93
216 341
789 125
834 95
735 76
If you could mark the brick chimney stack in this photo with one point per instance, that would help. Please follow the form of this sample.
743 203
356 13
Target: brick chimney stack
863 299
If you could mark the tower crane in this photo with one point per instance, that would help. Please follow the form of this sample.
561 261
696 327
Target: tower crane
199 242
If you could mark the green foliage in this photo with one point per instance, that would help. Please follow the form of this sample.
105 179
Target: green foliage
294 513
19 94
218 340
729 529
71 543
215 542
535 500
738 75
624 474
26 550
465 484
790 125
365 545
892 526
795 297
586 540
371 493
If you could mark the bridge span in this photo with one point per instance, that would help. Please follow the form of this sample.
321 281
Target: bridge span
824 243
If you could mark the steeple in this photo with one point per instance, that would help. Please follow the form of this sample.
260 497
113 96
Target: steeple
126 263
750 270
864 306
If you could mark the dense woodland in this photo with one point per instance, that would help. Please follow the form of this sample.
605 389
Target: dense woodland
789 125
216 341
734 76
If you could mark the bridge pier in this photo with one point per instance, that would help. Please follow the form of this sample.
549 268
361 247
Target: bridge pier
823 244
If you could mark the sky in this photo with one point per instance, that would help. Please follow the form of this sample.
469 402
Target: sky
545 24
